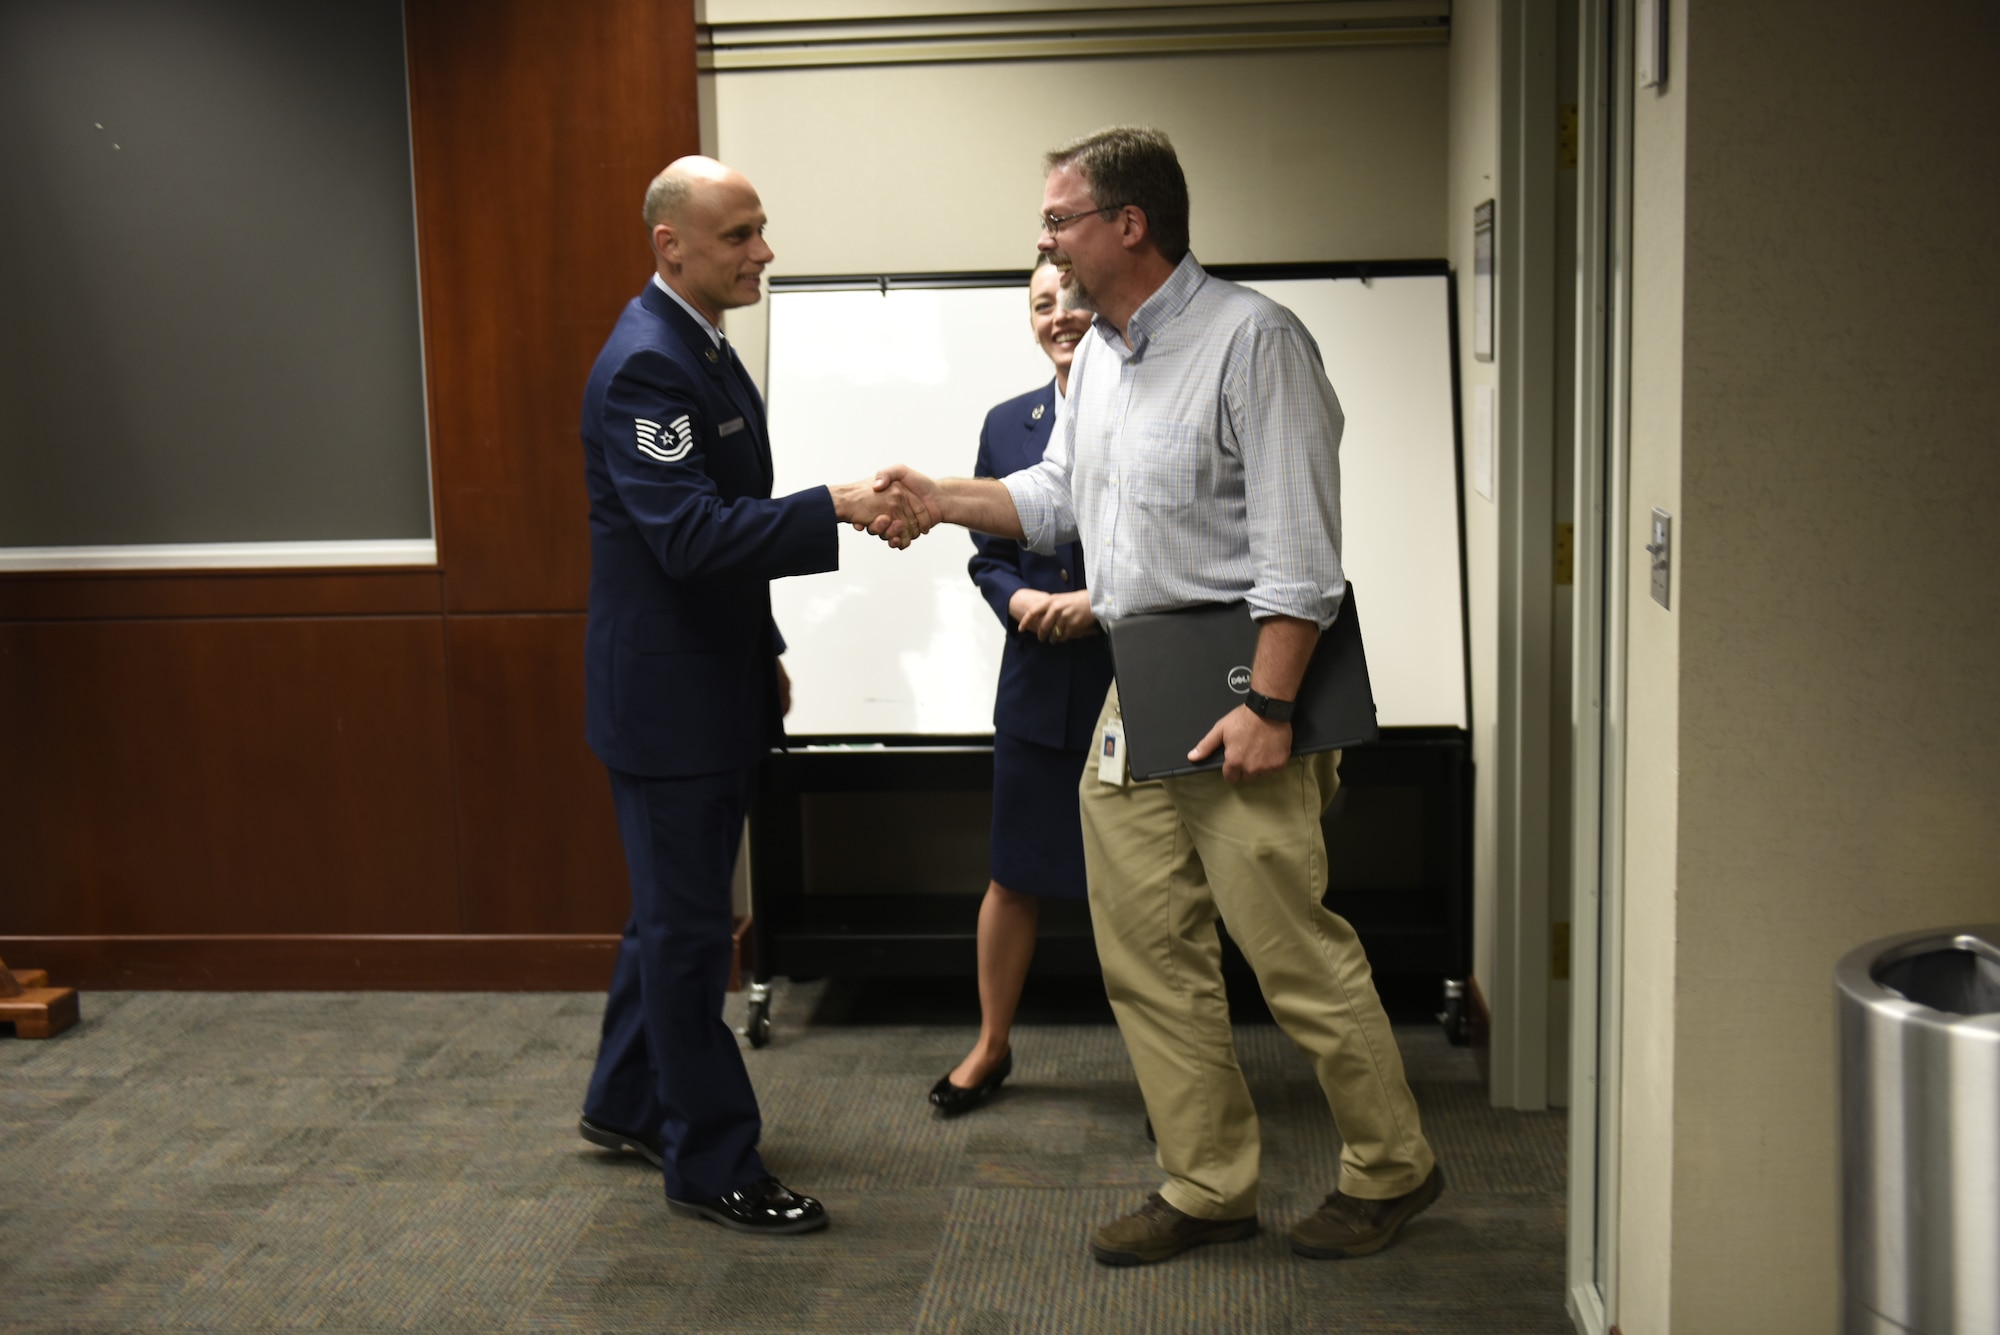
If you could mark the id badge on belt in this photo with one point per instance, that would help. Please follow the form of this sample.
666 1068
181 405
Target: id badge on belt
1111 753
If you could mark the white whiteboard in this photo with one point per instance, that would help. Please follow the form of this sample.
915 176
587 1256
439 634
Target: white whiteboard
901 643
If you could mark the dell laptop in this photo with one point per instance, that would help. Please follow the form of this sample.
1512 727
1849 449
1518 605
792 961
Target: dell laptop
1178 672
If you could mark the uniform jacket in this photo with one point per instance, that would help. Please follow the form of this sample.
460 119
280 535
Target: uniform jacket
680 651
1049 694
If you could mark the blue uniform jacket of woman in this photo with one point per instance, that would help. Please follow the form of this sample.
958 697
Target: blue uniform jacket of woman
1048 694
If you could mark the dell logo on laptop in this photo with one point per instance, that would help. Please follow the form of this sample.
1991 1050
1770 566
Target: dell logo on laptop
1239 680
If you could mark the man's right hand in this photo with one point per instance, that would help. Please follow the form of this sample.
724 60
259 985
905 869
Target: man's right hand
923 490
982 504
891 512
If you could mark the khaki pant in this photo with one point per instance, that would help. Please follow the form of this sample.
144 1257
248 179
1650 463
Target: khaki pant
1165 860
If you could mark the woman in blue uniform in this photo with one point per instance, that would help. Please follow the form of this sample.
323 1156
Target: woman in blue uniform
1054 674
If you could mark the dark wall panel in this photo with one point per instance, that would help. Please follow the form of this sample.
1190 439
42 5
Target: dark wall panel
208 309
536 127
538 842
226 776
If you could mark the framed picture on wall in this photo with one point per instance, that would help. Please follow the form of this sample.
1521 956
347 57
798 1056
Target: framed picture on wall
1482 282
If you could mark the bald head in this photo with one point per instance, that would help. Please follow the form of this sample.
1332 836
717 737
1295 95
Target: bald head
670 193
707 229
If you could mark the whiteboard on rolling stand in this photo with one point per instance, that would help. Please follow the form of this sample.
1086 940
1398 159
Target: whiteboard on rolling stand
901 644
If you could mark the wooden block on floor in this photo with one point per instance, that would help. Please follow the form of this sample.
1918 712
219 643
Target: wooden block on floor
25 978
39 1012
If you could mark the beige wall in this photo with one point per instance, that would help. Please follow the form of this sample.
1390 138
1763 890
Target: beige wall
1652 704
1333 154
1815 749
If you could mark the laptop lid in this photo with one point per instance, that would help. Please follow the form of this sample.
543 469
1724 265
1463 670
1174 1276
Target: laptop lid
1178 672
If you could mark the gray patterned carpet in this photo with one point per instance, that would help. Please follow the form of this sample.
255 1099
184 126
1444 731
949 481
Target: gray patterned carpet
408 1162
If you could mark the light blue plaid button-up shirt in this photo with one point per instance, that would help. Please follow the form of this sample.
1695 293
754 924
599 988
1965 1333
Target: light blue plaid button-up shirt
1201 464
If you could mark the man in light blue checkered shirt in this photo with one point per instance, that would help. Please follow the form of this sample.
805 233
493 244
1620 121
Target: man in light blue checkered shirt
1200 447
1198 460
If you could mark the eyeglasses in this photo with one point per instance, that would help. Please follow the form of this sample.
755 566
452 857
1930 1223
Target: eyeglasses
1051 223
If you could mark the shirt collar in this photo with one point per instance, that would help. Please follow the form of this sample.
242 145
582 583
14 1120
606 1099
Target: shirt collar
1169 299
714 334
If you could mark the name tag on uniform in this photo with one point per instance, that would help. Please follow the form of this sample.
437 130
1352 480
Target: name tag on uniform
730 427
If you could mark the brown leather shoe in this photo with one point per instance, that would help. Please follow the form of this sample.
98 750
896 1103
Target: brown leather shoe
1347 1226
1158 1231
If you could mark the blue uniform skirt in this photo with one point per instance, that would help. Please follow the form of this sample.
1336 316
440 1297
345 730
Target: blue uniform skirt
1037 837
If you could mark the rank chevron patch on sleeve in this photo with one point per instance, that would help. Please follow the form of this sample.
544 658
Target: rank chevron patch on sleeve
669 445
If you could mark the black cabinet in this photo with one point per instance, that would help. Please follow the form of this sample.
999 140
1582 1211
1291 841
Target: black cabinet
869 859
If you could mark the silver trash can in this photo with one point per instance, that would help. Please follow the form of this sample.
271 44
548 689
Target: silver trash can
1920 1133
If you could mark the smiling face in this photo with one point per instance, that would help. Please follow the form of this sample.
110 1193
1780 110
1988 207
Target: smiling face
1056 330
1085 246
714 254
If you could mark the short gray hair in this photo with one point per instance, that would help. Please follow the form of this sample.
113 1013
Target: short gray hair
666 197
1127 164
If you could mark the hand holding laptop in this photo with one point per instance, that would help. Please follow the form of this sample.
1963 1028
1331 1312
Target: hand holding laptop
1177 671
1251 747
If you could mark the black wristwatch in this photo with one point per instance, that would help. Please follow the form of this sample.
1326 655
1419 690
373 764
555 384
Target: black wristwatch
1263 706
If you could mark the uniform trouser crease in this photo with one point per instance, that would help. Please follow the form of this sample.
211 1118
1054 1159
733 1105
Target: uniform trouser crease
667 1062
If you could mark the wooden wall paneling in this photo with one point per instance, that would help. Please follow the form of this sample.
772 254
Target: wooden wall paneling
537 838
96 595
226 776
535 128
320 779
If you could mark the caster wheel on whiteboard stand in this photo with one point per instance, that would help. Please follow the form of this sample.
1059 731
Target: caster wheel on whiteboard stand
757 1024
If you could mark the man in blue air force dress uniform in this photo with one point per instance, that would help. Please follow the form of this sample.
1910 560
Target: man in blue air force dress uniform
685 691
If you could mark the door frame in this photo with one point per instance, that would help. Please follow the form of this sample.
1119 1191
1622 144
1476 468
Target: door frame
1598 705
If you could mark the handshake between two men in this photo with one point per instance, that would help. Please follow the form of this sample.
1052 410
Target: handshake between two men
900 505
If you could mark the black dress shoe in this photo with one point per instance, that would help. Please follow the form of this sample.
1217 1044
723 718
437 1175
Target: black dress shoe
764 1207
619 1142
950 1100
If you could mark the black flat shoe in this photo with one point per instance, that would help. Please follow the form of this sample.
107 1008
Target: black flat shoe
950 1100
764 1207
619 1142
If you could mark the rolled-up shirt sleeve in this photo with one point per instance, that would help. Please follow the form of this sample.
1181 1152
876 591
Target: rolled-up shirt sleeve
1287 423
1042 495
